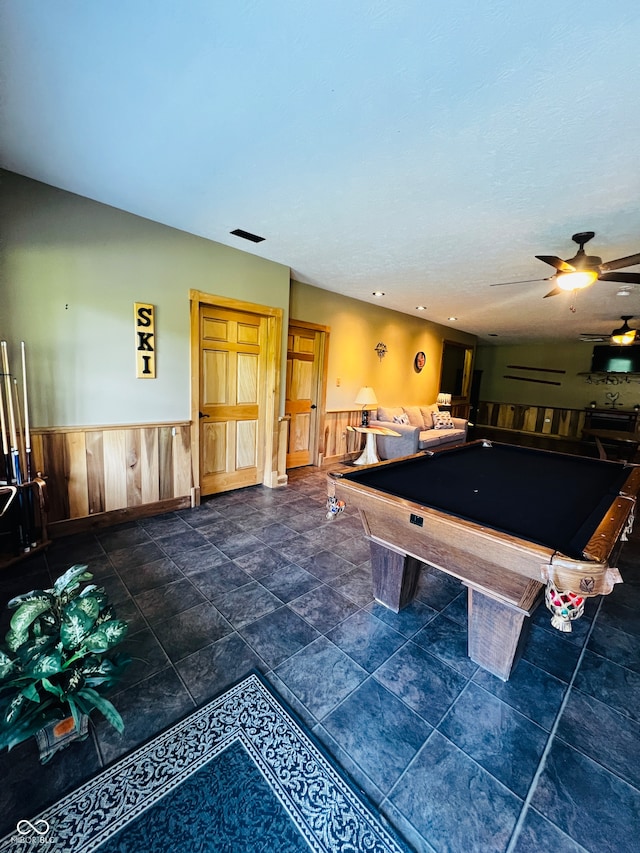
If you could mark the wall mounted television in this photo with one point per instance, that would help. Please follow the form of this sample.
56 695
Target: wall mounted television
615 359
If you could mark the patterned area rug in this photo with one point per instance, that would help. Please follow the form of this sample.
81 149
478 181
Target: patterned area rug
237 776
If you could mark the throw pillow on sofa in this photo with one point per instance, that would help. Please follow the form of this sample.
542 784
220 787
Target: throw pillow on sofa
387 413
401 419
442 420
415 416
427 413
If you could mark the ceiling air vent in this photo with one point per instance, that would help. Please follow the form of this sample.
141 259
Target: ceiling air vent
247 236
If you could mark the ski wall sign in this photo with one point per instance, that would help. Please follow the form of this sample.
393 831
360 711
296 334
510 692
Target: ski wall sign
145 327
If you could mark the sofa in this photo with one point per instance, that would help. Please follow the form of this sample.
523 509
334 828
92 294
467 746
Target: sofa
418 428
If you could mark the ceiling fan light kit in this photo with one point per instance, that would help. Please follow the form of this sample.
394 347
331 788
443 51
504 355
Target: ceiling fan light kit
576 280
625 335
584 270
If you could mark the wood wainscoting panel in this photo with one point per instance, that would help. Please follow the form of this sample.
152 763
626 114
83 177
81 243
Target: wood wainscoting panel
133 450
182 480
536 420
56 467
149 465
336 443
122 470
116 472
78 484
95 475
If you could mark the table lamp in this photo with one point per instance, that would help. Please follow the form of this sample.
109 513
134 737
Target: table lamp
366 397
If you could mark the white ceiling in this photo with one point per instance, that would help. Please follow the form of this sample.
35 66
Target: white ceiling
423 149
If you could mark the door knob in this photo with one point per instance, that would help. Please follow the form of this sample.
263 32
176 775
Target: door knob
202 416
313 406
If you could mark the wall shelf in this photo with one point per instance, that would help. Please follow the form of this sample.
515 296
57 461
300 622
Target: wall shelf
595 378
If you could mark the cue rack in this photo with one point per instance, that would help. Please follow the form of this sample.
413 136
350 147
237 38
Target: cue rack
23 492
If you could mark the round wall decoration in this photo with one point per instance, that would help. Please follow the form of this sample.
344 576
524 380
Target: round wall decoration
419 361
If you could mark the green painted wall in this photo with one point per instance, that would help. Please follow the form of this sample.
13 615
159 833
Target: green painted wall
71 270
573 392
356 328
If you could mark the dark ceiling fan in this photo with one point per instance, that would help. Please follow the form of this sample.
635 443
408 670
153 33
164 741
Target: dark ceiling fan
623 336
583 270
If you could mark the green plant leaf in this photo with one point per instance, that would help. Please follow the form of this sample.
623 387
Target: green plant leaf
36 717
6 664
76 680
12 640
71 579
75 627
42 645
106 636
106 708
106 615
96 592
45 665
31 693
89 605
13 709
26 614
52 688
34 595
75 711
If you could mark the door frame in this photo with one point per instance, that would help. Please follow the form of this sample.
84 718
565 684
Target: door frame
272 367
318 447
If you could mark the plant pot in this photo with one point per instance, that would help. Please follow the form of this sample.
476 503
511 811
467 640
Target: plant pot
59 734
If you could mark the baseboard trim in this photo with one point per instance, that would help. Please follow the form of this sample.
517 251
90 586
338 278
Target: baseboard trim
88 523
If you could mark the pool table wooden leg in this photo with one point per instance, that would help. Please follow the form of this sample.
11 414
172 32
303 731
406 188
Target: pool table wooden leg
497 633
395 576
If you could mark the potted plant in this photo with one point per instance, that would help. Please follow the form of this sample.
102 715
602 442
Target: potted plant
58 661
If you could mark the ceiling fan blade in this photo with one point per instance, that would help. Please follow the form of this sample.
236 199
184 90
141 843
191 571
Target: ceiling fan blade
627 277
619 263
555 292
526 281
558 263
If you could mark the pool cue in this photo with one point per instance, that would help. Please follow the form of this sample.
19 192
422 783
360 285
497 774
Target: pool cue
5 440
13 449
19 431
31 536
27 430
13 437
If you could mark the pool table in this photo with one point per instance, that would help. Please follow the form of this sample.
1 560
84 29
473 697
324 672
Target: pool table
502 519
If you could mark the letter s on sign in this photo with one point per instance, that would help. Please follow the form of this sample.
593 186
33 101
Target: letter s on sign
144 315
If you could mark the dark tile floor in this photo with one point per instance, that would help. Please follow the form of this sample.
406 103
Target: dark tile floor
458 760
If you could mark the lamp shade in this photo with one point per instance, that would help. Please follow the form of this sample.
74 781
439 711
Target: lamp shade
576 280
366 396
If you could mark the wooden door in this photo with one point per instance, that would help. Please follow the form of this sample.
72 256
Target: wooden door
232 348
302 393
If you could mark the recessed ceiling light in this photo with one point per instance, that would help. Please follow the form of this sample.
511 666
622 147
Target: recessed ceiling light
493 335
452 318
421 307
247 235
377 293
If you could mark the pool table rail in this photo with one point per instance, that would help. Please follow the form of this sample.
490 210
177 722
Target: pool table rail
505 575
487 559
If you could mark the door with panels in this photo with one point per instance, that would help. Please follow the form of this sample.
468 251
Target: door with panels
232 398
302 393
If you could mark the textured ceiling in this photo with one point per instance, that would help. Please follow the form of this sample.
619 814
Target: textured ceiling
427 150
